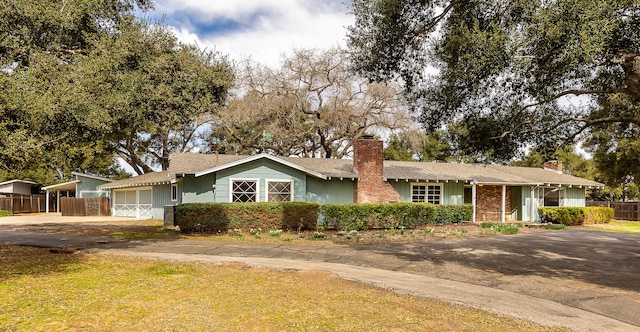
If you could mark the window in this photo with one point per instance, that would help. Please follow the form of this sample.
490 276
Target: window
551 197
244 191
279 191
174 192
426 193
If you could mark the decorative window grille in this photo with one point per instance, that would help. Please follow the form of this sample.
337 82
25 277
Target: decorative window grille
279 191
244 191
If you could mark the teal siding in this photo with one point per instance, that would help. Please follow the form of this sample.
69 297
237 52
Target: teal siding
403 188
332 191
261 170
198 189
574 197
86 188
526 203
452 192
161 197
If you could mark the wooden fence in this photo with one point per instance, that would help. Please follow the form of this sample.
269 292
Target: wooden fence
70 206
17 203
623 210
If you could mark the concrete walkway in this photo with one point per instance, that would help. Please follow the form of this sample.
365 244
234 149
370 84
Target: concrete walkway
402 268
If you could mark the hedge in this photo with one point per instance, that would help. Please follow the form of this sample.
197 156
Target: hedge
393 215
573 216
5 213
220 217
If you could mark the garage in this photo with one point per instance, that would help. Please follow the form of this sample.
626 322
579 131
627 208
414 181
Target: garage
135 203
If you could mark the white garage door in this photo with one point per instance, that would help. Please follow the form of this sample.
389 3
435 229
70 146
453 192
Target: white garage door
135 203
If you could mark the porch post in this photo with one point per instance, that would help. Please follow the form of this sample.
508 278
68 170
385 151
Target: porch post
473 200
46 203
57 200
503 204
532 210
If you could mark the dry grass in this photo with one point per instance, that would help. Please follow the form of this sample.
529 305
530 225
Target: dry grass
152 229
617 226
43 291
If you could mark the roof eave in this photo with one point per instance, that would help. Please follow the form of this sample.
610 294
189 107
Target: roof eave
57 185
257 157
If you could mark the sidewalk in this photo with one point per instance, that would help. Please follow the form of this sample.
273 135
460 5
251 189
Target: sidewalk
42 218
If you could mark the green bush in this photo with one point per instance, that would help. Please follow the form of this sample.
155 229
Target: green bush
445 214
5 213
573 216
359 217
597 215
219 217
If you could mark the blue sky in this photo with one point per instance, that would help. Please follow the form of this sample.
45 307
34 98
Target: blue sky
262 30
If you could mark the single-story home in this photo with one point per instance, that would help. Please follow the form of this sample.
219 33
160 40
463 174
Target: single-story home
84 186
20 187
497 193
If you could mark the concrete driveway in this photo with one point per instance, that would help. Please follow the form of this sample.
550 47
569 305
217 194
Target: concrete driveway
55 218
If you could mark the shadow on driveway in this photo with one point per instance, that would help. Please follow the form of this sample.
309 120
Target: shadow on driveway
606 259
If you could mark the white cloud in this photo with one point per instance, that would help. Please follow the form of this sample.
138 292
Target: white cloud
261 30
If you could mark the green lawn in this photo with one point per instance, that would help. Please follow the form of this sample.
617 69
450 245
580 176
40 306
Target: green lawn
44 291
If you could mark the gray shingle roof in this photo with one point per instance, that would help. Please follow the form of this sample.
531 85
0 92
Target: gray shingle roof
192 163
148 179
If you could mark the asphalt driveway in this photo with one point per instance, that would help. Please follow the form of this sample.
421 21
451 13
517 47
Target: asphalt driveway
587 280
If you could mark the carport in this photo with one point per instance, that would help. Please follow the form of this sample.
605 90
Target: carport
66 188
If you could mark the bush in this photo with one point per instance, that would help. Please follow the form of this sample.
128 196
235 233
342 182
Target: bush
348 217
219 217
446 214
598 215
573 216
5 213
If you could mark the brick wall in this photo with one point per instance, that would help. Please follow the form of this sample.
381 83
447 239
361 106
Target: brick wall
489 202
370 187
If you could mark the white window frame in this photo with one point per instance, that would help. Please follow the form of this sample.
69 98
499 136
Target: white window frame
426 193
561 195
266 188
174 192
231 181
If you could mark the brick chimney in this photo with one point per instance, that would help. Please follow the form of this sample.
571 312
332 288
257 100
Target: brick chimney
553 165
368 157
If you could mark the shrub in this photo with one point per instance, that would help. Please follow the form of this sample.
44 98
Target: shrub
597 215
219 217
573 216
201 218
349 217
5 213
445 214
